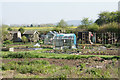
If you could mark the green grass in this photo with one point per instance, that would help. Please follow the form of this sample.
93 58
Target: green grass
48 70
41 54
22 45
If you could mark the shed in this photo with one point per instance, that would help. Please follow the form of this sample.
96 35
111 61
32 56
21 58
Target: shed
14 36
32 35
48 40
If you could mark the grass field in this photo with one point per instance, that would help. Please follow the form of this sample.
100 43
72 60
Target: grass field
43 69
38 28
41 54
38 64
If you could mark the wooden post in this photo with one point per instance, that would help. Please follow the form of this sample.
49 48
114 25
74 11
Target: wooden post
102 38
105 38
95 37
82 38
112 38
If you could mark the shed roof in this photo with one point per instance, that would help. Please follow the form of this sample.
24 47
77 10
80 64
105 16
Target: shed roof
13 32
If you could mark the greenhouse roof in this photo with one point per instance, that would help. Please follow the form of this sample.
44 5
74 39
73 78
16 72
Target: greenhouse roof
65 36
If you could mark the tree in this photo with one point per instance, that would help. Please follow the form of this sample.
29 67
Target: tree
62 24
31 25
21 30
107 17
4 32
24 39
85 22
9 29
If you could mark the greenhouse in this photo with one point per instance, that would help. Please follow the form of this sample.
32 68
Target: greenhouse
62 41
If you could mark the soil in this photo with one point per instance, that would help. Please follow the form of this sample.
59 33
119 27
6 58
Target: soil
90 62
93 62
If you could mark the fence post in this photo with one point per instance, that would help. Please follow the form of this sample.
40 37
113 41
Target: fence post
102 38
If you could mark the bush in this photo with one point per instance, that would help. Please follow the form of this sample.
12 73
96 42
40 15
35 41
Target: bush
39 62
66 67
117 45
108 45
9 29
24 39
5 67
21 30
7 42
23 69
110 27
93 27
41 41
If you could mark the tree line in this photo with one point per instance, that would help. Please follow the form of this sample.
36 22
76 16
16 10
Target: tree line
106 22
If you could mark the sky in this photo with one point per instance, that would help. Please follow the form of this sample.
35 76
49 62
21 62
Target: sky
52 12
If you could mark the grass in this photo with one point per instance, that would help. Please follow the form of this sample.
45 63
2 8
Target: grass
43 69
22 45
41 54
37 67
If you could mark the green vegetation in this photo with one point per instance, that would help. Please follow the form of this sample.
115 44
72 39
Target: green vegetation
37 67
9 29
108 45
110 27
42 68
62 24
21 30
86 22
108 17
7 42
93 27
41 54
24 39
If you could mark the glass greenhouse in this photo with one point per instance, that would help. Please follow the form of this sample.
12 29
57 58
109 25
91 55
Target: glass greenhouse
61 41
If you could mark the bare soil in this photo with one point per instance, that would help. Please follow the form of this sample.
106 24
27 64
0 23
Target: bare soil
90 62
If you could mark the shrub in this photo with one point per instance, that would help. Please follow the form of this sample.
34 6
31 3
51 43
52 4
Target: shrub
117 45
41 41
7 42
110 27
21 30
24 39
93 27
39 62
108 45
23 69
5 67
65 67
9 29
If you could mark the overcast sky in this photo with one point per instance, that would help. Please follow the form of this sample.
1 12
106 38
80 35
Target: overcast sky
52 12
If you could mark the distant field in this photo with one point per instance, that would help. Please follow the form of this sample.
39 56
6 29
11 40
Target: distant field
38 28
